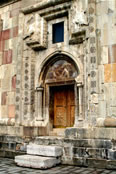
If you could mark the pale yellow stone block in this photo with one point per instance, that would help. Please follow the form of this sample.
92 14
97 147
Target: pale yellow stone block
104 55
11 98
4 111
10 43
2 69
110 73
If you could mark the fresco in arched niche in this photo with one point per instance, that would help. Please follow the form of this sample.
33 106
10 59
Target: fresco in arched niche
61 70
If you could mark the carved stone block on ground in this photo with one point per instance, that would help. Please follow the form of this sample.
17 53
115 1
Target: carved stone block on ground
36 161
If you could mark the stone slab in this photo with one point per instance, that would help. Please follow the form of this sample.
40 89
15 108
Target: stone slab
36 161
53 151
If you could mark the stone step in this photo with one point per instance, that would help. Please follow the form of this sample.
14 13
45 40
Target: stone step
60 141
49 140
42 150
57 132
36 161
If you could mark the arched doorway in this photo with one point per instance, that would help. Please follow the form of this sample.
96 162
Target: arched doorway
60 91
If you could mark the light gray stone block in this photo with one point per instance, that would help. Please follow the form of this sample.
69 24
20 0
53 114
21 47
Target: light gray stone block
42 150
36 161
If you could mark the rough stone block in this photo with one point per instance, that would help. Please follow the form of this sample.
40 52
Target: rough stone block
111 164
36 161
74 161
97 163
14 12
112 154
110 122
42 150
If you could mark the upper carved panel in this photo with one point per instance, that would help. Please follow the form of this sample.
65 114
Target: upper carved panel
61 70
38 15
35 32
78 15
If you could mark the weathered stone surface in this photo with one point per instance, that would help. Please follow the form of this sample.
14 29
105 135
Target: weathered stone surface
43 150
110 122
112 154
98 163
36 161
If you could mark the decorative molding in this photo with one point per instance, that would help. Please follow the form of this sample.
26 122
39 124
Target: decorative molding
7 121
7 2
43 5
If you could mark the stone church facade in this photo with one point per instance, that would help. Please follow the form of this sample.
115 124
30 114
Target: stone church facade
58 73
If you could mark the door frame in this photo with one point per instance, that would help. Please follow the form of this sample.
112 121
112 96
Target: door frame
47 99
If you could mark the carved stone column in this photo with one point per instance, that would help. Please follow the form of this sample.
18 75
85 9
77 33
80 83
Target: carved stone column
79 107
80 103
39 91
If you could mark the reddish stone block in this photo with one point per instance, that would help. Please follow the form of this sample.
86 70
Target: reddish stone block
1 36
3 98
14 82
4 58
7 57
14 12
2 45
6 34
15 31
11 111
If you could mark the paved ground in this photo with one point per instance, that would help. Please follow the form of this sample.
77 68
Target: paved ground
7 166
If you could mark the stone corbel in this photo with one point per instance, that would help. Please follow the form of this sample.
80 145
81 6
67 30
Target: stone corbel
78 37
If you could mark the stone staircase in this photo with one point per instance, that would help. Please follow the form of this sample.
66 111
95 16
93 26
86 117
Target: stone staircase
40 156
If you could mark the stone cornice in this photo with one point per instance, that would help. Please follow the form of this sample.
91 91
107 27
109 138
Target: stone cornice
43 5
7 2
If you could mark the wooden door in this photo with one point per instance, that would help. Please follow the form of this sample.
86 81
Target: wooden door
64 106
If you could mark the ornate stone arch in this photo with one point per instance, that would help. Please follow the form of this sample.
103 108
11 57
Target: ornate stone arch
66 68
65 60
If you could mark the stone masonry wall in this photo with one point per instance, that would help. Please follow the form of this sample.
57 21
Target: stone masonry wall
9 21
106 40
